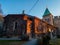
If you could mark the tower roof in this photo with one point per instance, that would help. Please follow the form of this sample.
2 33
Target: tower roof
47 12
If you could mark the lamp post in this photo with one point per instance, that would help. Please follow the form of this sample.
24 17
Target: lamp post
51 33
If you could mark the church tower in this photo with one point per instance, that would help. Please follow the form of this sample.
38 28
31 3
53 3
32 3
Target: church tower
48 17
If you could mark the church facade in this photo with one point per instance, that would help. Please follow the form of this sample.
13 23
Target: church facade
16 25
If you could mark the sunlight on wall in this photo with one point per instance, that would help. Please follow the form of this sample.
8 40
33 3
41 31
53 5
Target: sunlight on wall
29 26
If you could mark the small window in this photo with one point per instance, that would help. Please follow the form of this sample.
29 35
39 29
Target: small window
30 18
47 20
15 25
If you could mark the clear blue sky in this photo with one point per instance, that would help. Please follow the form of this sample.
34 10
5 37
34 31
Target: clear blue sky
16 7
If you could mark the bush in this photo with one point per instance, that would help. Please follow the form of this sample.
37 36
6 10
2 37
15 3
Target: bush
8 36
39 42
58 36
25 37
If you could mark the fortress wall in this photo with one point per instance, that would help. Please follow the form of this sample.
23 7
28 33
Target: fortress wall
56 17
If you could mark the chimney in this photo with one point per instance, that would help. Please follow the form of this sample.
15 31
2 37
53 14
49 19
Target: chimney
23 12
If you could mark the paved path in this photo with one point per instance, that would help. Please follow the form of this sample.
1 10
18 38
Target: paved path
31 42
10 39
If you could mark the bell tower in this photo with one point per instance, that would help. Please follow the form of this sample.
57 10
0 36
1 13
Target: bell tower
48 17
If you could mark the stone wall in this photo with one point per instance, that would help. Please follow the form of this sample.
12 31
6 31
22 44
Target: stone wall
57 23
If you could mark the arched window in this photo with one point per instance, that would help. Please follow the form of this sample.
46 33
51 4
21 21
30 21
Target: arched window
15 25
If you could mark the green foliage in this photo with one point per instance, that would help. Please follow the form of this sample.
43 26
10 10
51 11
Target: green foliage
11 42
39 42
25 37
55 42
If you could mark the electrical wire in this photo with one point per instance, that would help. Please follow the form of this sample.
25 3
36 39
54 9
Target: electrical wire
33 6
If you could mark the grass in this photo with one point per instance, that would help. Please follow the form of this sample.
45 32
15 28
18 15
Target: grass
55 42
11 42
18 42
52 42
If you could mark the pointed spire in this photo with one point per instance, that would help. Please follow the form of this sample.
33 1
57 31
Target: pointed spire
47 12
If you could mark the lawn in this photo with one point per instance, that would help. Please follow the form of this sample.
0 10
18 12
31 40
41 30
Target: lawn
55 42
11 42
52 42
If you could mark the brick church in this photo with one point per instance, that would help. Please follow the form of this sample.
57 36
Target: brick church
16 25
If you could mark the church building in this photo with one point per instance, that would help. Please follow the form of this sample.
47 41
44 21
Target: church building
16 25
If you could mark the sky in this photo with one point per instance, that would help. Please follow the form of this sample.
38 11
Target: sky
17 6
